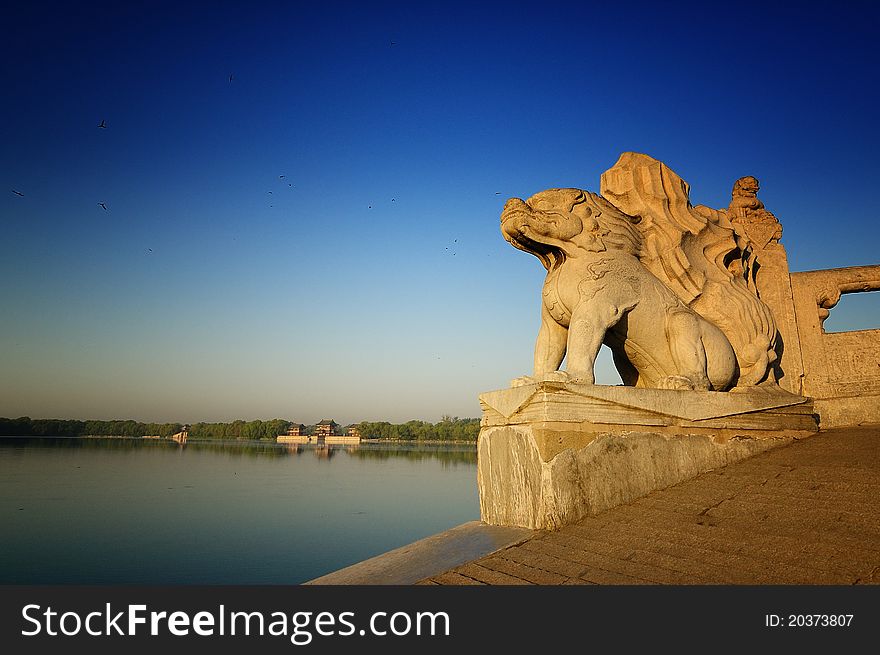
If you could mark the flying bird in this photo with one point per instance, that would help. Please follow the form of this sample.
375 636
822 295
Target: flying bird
102 124
281 177
497 193
393 43
103 206
18 193
231 76
392 200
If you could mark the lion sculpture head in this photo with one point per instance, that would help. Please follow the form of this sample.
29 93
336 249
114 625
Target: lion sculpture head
554 224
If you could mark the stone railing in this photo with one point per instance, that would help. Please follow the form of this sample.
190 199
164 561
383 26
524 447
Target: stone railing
841 369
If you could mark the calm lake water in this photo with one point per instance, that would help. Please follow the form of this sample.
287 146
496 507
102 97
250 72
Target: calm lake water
127 511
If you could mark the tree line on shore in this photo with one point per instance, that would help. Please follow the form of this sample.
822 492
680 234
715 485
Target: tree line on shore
50 427
448 429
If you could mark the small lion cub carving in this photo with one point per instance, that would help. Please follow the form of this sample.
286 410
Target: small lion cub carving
597 291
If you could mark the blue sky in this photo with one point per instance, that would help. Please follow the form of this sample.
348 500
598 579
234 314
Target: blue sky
371 281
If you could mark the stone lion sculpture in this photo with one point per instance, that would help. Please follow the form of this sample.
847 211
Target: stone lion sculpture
698 253
598 291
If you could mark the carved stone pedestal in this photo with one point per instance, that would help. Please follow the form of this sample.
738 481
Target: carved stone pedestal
551 453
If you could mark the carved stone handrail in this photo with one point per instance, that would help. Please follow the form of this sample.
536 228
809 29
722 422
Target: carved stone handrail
834 282
840 368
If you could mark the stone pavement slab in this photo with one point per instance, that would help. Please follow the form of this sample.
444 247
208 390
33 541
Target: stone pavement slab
806 513
431 556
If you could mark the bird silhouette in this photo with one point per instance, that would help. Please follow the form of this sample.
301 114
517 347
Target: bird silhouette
102 124
392 200
281 177
231 76
497 193
18 193
103 206
393 43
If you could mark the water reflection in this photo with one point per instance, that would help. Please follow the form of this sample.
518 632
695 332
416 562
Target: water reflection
103 443
451 453
76 510
324 452
446 454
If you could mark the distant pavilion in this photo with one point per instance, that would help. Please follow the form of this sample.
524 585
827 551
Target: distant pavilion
326 428
295 430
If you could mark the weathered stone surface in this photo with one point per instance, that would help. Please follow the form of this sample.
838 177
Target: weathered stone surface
748 214
572 450
429 556
697 253
758 232
660 282
518 488
692 406
774 286
801 514
841 369
717 344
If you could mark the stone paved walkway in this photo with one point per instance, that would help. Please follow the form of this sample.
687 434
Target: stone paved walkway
807 513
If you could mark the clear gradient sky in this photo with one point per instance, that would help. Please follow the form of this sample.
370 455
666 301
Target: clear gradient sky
371 281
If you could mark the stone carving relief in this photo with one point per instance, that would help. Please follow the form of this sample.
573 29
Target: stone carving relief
749 217
669 287
828 295
826 300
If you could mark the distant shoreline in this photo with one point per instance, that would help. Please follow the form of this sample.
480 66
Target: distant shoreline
427 442
423 441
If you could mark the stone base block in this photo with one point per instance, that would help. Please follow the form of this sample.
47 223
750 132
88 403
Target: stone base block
551 453
847 412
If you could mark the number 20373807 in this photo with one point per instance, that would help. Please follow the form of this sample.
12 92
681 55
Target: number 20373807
808 620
